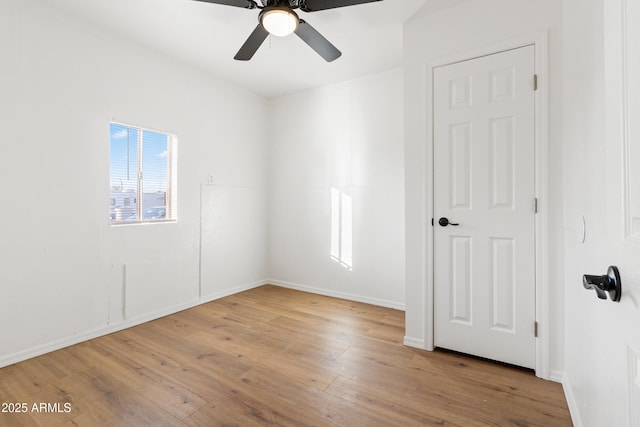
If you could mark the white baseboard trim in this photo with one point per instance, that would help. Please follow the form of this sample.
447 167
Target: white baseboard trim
39 350
336 294
414 342
556 376
571 402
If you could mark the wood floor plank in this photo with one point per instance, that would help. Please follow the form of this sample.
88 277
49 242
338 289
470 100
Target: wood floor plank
275 356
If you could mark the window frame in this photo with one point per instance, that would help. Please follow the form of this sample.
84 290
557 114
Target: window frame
171 194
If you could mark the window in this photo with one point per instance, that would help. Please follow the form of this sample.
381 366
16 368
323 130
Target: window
143 175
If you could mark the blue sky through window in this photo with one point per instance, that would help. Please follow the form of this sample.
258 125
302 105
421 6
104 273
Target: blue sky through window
124 159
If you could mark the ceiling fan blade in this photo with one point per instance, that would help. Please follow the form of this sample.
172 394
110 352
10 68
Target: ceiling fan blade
247 4
252 44
315 5
317 41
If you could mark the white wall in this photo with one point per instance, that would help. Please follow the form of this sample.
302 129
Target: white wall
471 28
602 340
347 136
63 269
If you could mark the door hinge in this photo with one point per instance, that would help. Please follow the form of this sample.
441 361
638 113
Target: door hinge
535 82
535 205
535 329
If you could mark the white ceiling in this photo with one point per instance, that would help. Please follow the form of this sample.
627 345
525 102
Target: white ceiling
208 36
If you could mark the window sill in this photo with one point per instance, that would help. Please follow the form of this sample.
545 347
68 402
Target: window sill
125 223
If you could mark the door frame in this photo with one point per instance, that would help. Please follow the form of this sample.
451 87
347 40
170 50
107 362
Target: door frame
541 141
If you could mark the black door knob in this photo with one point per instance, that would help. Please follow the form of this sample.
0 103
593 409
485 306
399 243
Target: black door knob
610 283
445 221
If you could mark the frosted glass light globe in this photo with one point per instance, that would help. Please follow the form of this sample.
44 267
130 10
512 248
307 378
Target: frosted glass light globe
279 22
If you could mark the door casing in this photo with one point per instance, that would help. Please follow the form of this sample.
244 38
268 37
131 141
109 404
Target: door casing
484 179
540 42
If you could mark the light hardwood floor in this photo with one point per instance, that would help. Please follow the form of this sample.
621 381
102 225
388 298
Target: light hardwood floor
273 356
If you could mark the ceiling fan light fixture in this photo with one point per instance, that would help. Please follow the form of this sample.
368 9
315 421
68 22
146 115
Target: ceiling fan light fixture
279 21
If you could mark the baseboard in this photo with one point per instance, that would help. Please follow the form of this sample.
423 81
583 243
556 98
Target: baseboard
109 329
571 402
414 342
556 376
342 295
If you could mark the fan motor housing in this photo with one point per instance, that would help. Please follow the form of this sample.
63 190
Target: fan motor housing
285 3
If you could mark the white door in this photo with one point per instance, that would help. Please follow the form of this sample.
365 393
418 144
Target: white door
612 234
484 181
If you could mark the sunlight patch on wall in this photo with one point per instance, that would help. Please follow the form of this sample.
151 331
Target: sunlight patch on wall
342 228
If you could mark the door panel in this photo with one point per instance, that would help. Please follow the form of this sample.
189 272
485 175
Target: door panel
460 166
502 283
502 172
460 298
484 268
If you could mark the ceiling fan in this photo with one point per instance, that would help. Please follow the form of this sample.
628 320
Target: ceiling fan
278 18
